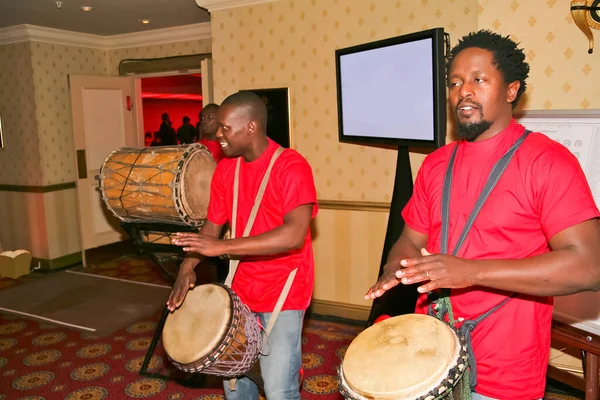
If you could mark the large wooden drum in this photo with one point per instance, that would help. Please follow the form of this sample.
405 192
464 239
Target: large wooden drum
411 356
158 184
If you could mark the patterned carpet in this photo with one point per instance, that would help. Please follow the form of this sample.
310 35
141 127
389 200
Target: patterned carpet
39 360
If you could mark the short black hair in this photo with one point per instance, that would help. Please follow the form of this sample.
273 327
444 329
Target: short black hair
508 58
186 119
210 106
252 105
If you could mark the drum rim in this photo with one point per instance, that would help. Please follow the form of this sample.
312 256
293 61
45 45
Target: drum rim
177 190
455 372
102 188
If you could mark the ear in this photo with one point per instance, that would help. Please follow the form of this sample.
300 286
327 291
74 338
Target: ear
252 128
512 90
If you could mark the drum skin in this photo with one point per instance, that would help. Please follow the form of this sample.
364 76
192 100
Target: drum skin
212 332
403 357
198 326
168 184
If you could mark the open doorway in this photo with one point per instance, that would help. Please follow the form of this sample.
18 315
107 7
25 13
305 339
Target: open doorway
173 102
180 96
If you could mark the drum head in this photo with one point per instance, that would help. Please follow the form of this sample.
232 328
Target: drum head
197 328
195 183
403 357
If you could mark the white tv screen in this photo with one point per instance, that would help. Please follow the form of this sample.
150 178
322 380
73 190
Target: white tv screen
388 92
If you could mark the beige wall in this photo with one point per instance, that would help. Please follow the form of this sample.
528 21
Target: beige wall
43 223
348 246
20 162
563 75
52 64
292 43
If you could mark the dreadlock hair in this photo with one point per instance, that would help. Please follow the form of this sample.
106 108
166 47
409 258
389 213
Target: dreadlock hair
508 59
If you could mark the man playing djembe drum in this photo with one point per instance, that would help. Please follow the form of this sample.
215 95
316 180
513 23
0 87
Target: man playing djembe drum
279 241
536 236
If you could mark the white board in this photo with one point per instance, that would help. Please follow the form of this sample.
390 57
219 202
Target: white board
579 131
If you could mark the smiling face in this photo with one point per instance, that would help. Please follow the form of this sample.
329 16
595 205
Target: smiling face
478 94
234 131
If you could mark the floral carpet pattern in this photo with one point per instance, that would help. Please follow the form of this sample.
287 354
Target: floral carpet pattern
42 361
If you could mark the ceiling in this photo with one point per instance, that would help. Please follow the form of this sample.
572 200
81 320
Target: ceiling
108 17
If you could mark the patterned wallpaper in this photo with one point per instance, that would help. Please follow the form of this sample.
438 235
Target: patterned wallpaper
19 159
35 102
563 75
52 63
157 51
292 42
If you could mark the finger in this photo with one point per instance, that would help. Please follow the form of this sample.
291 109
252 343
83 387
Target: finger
381 287
186 234
409 272
416 278
411 262
424 252
430 286
184 241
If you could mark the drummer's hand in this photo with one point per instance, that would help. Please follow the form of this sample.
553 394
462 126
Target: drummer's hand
439 271
387 280
186 279
196 243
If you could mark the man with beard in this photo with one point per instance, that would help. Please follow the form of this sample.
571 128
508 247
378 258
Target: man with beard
536 235
279 241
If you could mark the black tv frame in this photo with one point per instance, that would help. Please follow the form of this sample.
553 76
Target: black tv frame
439 89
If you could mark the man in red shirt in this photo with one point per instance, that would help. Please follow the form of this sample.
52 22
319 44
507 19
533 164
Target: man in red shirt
278 243
207 130
537 234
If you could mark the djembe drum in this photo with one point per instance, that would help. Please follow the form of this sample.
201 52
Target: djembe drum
212 333
410 356
169 184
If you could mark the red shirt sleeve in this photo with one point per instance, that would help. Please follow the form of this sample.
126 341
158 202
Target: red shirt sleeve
561 192
217 210
296 183
416 212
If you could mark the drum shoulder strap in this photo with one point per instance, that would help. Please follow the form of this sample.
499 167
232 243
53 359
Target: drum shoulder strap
233 263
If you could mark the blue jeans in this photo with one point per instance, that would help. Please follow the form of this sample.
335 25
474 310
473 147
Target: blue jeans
281 364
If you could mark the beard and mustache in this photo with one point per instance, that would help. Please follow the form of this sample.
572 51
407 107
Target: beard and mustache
470 131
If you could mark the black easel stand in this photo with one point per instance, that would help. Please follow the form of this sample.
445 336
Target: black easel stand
401 299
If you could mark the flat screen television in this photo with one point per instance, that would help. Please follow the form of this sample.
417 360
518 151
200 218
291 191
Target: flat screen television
393 91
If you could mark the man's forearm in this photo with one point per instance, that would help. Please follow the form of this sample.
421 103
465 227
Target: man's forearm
279 240
559 272
191 260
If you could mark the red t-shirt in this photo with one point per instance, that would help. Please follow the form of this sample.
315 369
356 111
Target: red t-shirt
542 192
259 280
214 147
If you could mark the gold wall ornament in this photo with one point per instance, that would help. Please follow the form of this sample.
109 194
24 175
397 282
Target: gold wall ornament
586 14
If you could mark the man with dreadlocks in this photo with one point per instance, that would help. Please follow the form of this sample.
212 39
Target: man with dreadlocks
536 235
